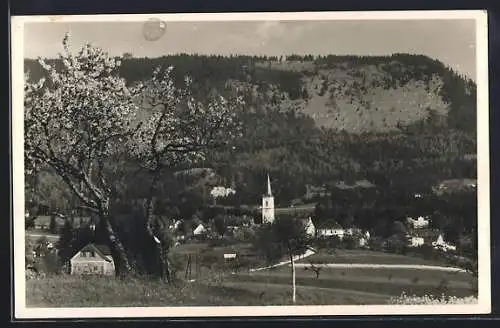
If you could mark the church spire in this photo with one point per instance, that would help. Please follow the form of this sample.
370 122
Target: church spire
269 193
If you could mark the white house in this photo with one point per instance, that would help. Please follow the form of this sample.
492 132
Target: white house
330 229
199 230
92 259
176 225
418 223
440 243
363 240
219 191
415 241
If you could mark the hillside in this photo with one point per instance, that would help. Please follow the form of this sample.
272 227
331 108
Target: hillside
399 120
355 94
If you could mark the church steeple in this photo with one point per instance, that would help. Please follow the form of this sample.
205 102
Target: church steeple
268 204
269 193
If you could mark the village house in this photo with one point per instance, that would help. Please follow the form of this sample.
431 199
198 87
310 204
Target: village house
199 230
309 227
219 191
419 237
330 228
418 223
441 244
92 259
363 240
415 241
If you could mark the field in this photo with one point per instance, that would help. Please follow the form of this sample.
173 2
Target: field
217 285
366 256
34 235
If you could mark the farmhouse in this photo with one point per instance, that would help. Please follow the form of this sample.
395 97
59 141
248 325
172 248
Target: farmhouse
419 237
330 228
440 243
92 259
220 191
418 223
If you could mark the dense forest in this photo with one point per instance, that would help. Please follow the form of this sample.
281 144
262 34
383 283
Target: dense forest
397 145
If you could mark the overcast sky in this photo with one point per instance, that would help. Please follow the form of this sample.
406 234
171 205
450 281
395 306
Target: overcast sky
450 41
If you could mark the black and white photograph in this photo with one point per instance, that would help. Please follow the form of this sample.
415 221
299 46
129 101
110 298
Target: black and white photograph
251 164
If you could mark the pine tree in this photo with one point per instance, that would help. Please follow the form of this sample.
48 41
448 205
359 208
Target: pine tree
53 225
65 242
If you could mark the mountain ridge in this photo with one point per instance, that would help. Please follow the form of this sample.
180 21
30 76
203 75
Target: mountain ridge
352 93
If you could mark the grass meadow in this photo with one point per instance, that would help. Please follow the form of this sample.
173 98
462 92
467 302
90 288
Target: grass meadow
217 285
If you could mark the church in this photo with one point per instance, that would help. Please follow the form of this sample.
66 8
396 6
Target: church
268 204
268 211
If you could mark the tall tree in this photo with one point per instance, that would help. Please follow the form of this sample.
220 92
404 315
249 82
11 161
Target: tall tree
74 121
65 242
220 223
177 132
285 237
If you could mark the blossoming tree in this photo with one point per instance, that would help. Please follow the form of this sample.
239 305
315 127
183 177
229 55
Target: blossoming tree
73 120
178 130
84 114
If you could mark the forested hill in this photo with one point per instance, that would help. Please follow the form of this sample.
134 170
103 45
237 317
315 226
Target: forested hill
402 119
355 94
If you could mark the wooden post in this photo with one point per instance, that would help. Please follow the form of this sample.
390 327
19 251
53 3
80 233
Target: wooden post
197 267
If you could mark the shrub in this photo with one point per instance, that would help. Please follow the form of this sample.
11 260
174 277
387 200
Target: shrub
350 242
48 264
405 299
396 244
376 244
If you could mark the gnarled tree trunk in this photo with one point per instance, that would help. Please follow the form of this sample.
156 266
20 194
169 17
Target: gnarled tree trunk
118 251
161 249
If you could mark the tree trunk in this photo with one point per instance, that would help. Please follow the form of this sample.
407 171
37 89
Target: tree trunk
163 270
118 252
163 265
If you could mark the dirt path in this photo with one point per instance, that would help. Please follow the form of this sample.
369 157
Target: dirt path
295 258
382 266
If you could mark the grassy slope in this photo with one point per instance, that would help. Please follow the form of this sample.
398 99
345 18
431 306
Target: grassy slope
105 292
269 287
353 97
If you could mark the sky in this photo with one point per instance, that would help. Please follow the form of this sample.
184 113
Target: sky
452 41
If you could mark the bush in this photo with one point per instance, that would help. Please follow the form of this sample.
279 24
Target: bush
350 242
176 265
396 244
376 244
431 300
226 241
48 264
210 259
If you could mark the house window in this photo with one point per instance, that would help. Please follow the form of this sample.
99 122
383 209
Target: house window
91 254
266 204
83 254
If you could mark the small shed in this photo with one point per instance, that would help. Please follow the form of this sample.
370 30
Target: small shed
92 259
199 230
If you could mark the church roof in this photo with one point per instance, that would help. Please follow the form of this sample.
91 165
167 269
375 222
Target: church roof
329 224
268 191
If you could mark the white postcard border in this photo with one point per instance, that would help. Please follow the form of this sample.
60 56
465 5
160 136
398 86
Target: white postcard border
484 285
